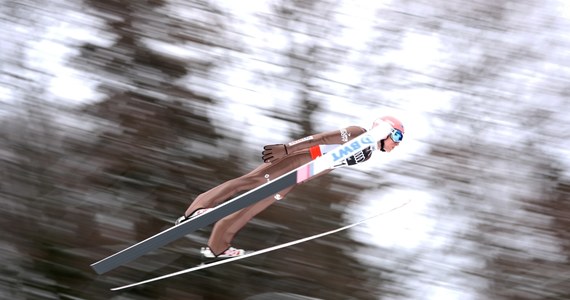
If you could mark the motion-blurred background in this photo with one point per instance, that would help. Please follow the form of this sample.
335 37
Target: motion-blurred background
115 114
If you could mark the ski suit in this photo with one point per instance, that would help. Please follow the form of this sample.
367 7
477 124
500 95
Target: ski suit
299 152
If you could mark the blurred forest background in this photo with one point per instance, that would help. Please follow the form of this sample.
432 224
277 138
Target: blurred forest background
115 114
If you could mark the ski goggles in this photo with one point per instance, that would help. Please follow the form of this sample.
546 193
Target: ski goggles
396 135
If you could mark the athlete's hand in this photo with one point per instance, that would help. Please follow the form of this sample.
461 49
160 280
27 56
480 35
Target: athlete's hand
272 153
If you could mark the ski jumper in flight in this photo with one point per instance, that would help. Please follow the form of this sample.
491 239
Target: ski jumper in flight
280 159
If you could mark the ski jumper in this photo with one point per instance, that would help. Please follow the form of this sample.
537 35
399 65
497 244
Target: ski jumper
297 153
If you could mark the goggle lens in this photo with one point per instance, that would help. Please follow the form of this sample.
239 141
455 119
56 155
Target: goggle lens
397 135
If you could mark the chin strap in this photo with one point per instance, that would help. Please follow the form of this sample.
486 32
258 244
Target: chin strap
382 145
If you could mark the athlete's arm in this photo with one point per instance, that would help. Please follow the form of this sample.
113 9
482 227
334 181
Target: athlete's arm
273 152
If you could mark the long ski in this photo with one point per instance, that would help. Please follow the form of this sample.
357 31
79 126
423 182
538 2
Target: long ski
254 253
300 174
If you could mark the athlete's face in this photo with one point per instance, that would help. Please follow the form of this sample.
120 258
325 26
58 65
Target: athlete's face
389 144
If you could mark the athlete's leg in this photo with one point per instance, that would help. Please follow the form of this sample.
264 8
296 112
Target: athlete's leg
226 228
227 189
